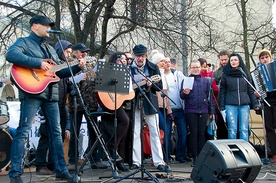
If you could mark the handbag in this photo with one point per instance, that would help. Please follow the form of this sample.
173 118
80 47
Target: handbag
146 139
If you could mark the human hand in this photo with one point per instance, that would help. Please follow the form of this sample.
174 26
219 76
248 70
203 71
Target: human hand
257 95
171 117
67 134
186 91
149 83
45 64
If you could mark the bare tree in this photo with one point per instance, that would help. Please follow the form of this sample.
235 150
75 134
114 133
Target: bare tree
110 25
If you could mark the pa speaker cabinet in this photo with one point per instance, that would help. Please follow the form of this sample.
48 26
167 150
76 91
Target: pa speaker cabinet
226 161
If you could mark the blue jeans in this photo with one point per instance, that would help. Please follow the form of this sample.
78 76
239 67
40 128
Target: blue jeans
28 109
167 130
181 126
238 120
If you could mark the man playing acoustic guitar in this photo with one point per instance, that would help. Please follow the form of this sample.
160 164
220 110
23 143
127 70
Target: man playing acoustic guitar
33 54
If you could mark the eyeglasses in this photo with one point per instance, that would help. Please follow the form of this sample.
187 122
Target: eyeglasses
84 51
195 67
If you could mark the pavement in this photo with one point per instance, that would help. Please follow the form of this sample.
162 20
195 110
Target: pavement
180 173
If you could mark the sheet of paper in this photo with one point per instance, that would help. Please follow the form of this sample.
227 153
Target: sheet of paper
188 82
77 78
223 114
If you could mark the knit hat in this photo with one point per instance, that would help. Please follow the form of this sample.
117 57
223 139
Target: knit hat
157 57
266 51
139 50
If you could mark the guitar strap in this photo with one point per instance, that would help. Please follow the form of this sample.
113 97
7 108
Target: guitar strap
46 50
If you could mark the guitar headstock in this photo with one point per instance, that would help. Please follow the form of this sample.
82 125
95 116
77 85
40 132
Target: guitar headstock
155 78
90 59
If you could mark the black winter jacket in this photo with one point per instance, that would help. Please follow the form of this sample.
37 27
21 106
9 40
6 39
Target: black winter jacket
235 91
152 69
29 52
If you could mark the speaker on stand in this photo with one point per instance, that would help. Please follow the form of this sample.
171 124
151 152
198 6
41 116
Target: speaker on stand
230 160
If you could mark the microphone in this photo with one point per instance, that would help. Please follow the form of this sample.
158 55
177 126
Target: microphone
243 73
54 31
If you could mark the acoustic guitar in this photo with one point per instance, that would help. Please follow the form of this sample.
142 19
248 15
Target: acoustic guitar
35 81
107 99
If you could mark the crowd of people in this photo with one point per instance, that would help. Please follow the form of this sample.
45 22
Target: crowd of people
173 104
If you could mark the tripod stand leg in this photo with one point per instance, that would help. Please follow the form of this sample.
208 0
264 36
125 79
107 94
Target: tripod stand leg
266 160
101 140
142 170
151 176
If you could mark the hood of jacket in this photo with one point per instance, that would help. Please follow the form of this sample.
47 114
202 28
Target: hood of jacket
65 44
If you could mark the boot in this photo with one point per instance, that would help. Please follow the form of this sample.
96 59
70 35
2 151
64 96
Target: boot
121 166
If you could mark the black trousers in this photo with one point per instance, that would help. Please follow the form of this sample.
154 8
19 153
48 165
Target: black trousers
107 127
197 126
270 125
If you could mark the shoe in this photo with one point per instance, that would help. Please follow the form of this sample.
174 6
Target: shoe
44 171
194 161
170 159
161 168
98 165
64 176
80 162
118 157
71 167
121 166
273 159
181 160
187 159
134 167
16 179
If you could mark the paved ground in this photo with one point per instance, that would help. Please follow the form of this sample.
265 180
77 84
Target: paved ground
180 173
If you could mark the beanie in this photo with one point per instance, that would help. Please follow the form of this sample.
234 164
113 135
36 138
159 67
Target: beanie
157 57
266 51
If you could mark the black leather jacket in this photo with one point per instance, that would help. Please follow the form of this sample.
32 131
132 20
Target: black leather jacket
29 52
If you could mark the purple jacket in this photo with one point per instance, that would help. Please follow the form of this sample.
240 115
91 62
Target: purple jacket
197 100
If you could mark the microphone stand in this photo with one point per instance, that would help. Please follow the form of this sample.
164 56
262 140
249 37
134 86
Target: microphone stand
91 121
266 160
142 168
163 95
74 92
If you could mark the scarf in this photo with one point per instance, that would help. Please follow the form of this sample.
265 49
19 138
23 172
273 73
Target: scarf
235 73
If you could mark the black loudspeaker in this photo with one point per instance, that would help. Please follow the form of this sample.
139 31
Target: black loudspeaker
230 160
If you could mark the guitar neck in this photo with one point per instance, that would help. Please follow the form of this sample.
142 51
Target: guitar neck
141 83
62 66
154 78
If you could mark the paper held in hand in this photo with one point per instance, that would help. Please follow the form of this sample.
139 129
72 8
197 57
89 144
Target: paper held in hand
188 82
223 114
